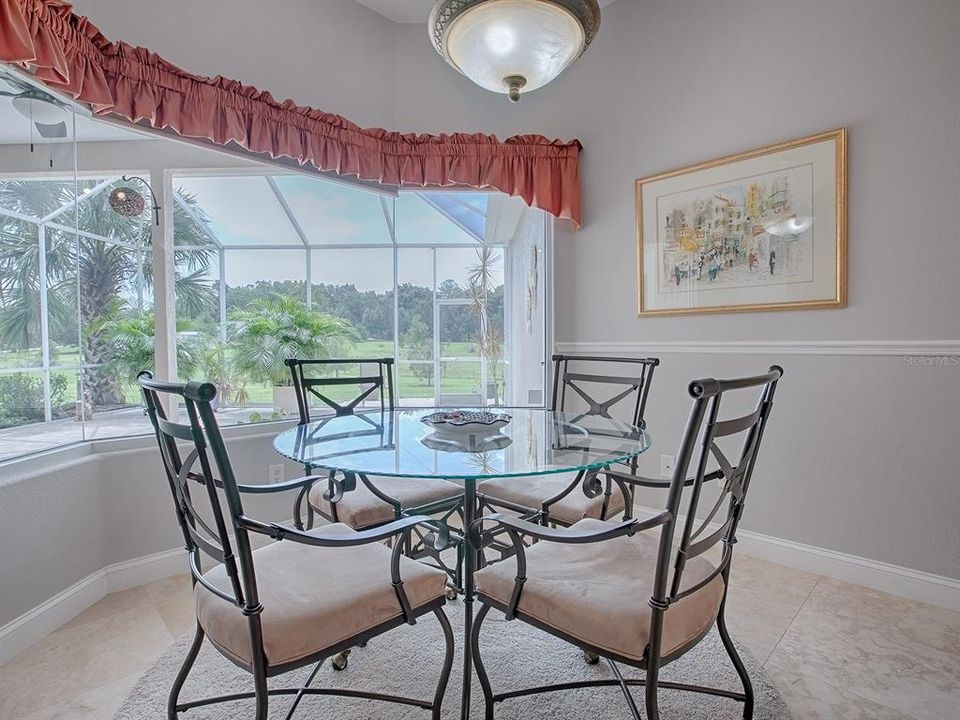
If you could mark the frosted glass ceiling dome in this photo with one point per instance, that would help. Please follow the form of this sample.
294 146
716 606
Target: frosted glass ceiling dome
511 45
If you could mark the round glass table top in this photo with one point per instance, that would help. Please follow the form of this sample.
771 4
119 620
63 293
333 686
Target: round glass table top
398 444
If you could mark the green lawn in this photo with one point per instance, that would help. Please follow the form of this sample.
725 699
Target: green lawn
460 378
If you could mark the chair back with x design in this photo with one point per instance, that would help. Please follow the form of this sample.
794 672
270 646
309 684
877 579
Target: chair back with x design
212 530
374 378
699 532
634 383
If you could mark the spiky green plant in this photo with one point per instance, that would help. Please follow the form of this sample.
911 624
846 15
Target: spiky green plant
269 331
491 340
131 335
217 366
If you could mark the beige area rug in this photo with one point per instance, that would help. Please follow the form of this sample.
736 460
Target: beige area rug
406 661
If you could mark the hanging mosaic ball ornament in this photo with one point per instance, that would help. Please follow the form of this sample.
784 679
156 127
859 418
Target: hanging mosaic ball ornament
127 202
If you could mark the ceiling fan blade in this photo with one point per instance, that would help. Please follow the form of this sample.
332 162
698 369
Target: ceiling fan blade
58 130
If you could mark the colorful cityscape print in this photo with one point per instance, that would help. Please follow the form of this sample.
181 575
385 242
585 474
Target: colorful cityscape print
717 236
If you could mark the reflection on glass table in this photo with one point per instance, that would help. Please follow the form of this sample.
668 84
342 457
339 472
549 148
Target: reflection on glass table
398 444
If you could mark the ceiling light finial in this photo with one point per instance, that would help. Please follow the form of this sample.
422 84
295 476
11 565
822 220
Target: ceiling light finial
514 85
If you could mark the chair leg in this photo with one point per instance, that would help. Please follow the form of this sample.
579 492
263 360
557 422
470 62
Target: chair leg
607 496
458 571
262 697
735 659
650 691
181 678
478 664
447 663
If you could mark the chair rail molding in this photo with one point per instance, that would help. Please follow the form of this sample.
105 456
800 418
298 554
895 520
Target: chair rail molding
870 348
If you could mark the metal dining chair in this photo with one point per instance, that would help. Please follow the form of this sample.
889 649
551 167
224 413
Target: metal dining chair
367 502
371 503
298 600
558 499
621 591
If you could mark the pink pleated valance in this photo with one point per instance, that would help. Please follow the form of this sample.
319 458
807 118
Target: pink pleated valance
69 53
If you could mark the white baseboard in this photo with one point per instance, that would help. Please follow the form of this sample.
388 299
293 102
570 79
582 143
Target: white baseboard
893 579
24 631
33 625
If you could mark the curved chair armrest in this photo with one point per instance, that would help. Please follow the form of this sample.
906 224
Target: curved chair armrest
657 482
546 504
360 537
516 526
280 487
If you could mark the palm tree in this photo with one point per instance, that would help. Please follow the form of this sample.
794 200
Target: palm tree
86 276
271 330
131 335
480 277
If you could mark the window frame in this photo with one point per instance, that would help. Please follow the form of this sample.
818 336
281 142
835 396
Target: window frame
167 194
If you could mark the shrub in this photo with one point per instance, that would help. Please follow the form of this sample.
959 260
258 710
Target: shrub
21 398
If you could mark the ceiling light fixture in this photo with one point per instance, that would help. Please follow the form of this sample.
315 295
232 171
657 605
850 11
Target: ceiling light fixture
507 46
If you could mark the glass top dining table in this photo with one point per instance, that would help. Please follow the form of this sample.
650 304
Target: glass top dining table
398 444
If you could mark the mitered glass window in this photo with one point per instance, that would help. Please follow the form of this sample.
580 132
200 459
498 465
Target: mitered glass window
266 264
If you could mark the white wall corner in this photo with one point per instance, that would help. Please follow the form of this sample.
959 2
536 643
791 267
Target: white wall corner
22 632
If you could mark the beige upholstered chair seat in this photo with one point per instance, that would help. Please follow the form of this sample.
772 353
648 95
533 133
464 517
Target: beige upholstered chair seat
313 597
361 509
597 593
532 491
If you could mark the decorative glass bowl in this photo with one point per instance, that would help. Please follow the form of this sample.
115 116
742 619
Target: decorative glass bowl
465 422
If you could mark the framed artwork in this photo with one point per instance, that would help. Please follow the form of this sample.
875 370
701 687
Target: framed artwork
760 230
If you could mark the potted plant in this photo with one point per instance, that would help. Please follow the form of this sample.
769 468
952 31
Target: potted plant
216 367
491 340
271 330
130 334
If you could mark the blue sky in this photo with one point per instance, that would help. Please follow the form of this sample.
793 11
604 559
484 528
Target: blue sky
244 211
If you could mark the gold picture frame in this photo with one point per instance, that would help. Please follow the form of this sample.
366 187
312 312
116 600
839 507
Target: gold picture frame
711 253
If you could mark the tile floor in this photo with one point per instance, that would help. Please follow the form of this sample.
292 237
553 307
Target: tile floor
836 650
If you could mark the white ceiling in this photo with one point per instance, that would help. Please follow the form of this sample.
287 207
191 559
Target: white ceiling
412 11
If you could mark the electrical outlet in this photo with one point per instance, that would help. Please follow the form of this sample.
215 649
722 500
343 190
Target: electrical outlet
276 474
666 465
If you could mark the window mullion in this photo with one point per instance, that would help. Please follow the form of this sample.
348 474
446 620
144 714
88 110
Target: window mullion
294 223
44 322
222 260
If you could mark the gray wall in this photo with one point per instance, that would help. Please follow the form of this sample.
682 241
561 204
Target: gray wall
65 522
864 451
333 55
